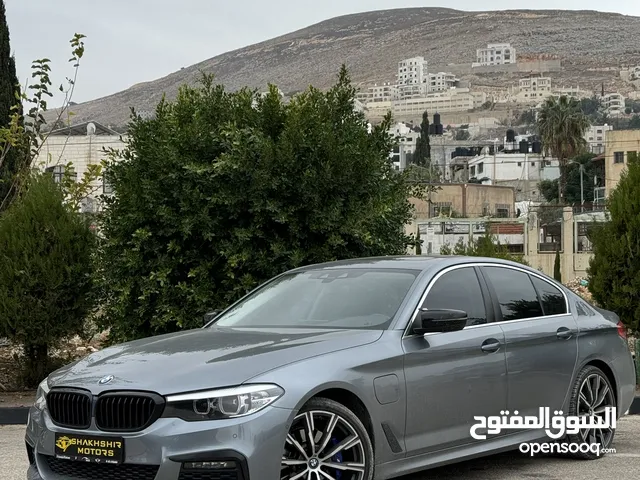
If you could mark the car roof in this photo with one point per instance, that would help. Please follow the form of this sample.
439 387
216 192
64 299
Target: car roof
406 262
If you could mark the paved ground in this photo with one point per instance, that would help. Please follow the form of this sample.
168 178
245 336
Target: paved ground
625 464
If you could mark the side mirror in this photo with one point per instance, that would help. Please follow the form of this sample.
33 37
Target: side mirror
439 321
210 316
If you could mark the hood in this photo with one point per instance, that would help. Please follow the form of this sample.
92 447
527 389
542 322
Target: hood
203 358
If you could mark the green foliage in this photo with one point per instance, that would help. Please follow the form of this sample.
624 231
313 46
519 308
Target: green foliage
462 134
561 125
22 139
10 161
634 122
549 188
614 270
557 273
528 117
45 273
487 246
422 155
221 191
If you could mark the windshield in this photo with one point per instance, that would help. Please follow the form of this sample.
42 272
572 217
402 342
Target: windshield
346 298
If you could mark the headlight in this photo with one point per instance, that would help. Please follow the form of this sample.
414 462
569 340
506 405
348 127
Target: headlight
223 403
41 394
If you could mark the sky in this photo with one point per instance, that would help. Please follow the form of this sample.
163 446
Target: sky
133 41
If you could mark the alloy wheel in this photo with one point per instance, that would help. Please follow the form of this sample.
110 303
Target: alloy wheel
594 398
323 445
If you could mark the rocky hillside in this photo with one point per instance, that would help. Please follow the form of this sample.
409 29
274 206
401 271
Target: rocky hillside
372 43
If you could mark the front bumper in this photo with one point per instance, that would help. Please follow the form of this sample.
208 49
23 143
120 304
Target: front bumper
255 443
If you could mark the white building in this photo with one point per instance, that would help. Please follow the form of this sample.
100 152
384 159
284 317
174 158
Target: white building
533 89
442 81
378 93
495 54
81 145
595 138
413 78
454 100
613 103
407 140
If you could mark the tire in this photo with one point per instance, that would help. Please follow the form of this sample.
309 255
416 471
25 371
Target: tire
578 407
333 426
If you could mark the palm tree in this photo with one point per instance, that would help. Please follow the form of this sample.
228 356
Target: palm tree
561 125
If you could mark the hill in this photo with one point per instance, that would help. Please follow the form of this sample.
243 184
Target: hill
372 43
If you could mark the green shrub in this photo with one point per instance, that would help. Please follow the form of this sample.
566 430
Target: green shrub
45 274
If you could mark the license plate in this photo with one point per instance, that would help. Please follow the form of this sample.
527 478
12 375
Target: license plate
89 448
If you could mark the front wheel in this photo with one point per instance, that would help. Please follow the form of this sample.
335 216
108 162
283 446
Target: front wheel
592 394
327 441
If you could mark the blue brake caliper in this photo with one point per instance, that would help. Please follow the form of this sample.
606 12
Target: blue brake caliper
337 458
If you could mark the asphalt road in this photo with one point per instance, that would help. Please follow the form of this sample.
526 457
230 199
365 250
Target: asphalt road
624 464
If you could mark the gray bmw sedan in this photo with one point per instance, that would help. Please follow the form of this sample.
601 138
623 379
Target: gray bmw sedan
351 370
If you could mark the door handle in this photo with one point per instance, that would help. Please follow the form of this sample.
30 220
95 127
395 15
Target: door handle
490 345
564 333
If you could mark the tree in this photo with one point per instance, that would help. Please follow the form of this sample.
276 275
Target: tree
418 243
573 190
462 134
9 103
487 245
561 125
614 269
422 155
239 189
45 279
557 273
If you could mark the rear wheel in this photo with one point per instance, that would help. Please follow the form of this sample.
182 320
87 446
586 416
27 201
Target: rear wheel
327 441
592 394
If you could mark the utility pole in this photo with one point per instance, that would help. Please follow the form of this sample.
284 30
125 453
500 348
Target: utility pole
581 187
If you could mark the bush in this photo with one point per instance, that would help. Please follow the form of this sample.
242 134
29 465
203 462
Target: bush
487 246
221 191
45 274
614 269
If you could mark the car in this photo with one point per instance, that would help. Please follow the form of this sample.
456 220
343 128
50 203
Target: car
349 370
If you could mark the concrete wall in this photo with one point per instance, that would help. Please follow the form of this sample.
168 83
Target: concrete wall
523 66
467 200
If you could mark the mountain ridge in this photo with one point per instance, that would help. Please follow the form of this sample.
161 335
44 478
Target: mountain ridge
371 44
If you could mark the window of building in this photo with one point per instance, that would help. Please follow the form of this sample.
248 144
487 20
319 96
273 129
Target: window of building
502 210
440 208
480 167
58 172
517 297
458 290
553 302
618 157
473 171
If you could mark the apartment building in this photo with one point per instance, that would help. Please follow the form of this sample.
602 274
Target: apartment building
620 147
533 89
378 93
495 54
442 81
454 100
613 103
412 78
595 138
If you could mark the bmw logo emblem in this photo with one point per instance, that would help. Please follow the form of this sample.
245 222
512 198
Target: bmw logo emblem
106 380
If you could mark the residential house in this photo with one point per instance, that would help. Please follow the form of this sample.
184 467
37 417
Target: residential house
495 54
80 145
594 137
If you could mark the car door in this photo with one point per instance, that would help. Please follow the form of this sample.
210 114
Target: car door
541 338
453 376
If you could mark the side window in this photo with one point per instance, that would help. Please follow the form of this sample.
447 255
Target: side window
458 290
553 302
517 297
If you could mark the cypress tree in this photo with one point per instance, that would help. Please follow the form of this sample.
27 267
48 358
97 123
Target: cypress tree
422 155
8 89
